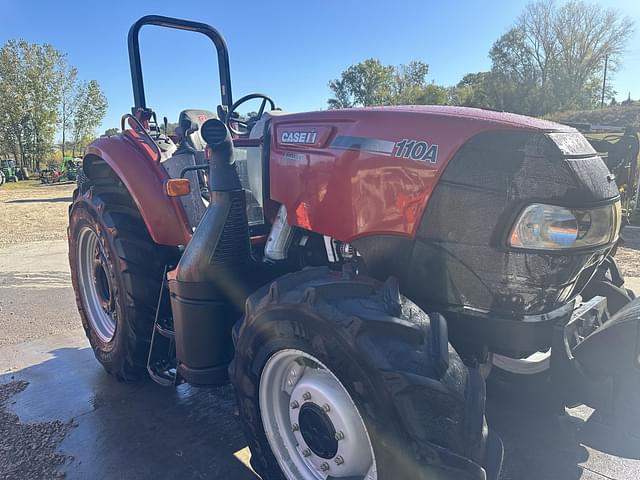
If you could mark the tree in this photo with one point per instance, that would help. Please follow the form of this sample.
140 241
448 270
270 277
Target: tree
363 84
372 83
110 132
472 91
30 90
68 103
553 57
91 107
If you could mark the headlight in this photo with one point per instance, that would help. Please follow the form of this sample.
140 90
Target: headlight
549 227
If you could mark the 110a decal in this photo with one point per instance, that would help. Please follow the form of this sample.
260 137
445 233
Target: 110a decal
416 150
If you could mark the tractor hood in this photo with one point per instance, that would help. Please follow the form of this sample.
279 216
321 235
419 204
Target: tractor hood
431 194
358 172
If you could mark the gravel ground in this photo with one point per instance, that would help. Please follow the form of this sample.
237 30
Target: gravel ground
27 451
629 261
33 212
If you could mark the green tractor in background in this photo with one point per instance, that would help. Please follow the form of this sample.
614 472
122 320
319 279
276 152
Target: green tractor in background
9 172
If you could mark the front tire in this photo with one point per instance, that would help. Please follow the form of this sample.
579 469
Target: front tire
116 271
333 378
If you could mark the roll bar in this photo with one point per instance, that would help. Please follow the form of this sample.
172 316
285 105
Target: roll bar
178 24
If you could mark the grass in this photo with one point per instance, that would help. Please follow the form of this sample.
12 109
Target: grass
25 184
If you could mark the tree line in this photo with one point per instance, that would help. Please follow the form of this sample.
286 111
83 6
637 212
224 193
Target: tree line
553 58
41 96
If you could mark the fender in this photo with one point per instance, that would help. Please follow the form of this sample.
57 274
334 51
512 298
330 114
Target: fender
144 178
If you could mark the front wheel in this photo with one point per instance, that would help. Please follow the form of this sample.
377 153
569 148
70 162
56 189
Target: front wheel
335 379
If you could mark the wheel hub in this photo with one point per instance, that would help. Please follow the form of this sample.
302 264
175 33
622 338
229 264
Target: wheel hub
96 288
317 430
313 426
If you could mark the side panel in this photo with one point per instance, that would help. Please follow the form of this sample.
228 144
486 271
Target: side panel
144 178
352 173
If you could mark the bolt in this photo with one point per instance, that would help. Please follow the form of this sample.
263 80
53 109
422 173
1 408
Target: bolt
324 466
294 405
306 396
326 407
339 460
339 435
306 452
295 427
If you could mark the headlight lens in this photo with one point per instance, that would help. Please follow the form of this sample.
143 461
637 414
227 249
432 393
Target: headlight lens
549 227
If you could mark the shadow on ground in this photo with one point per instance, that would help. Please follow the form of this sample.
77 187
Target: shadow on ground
42 200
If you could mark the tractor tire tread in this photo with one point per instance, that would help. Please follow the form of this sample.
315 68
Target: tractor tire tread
395 340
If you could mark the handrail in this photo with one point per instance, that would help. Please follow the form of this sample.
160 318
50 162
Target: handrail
176 23
142 129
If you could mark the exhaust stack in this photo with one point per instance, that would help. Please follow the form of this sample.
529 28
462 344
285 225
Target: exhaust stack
207 288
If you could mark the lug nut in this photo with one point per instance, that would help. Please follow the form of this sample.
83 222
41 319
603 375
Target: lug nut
339 435
295 427
306 396
326 407
306 452
339 460
324 466
294 405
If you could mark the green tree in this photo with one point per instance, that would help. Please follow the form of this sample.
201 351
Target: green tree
553 57
30 91
471 91
91 107
363 84
110 132
68 104
372 83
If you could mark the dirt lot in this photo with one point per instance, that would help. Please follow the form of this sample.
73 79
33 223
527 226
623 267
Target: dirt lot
30 212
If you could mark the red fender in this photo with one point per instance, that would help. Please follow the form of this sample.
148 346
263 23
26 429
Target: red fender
136 166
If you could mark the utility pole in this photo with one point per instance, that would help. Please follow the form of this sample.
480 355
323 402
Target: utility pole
604 80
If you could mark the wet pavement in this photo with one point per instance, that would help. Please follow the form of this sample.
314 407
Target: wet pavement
125 430
144 431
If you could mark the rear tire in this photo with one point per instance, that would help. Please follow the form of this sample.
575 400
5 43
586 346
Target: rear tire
410 390
116 271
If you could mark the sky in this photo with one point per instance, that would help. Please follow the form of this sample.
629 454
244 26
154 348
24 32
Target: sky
286 49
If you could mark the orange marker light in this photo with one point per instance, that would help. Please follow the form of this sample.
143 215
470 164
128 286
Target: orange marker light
177 187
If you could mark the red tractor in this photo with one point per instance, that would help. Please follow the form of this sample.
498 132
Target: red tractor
355 274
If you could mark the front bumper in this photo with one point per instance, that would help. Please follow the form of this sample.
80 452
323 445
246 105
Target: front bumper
509 336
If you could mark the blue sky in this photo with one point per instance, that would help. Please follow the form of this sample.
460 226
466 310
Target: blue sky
286 49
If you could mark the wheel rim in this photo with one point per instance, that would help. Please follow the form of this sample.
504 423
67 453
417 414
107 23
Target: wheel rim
95 286
538 362
313 427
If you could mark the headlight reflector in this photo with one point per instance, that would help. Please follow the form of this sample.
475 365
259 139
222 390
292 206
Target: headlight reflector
549 227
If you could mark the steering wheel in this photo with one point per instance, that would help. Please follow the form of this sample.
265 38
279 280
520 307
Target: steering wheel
245 126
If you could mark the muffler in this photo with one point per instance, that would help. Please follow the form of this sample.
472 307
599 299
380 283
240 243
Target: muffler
208 287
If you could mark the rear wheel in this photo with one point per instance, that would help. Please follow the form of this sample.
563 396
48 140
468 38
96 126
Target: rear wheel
2 179
335 379
116 273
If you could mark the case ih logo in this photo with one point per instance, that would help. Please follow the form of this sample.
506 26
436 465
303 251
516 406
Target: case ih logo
300 138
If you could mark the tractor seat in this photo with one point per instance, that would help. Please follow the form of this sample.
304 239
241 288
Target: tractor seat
188 129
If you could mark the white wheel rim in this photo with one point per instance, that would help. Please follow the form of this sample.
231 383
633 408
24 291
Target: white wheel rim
95 285
298 394
538 362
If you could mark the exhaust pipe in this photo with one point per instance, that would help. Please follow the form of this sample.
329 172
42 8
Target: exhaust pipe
208 288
